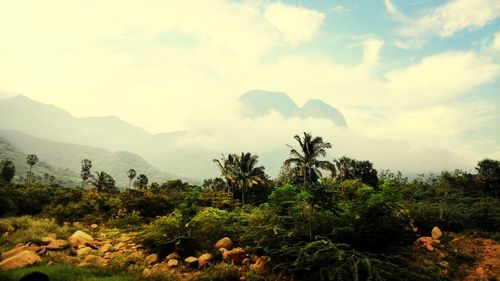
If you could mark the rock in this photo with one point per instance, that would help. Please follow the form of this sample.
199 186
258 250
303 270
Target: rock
83 251
225 243
47 240
58 244
247 261
261 266
426 242
204 260
51 235
14 251
235 256
173 255
172 263
153 258
93 226
79 238
92 259
119 246
105 247
480 271
136 256
147 272
21 259
436 233
191 261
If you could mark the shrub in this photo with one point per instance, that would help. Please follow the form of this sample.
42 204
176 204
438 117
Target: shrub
163 234
221 272
209 225
28 229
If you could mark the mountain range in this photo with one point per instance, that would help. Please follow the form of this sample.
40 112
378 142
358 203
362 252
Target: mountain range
114 145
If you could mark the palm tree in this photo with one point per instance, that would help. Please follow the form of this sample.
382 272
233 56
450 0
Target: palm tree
307 159
246 174
31 159
131 175
225 166
241 171
85 173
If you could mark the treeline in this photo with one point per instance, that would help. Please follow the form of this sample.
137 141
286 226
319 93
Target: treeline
318 220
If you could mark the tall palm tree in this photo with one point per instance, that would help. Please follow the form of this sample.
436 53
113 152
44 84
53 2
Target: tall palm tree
31 159
247 174
241 172
131 175
306 160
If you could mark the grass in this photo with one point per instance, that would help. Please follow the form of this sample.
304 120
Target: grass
61 272
28 229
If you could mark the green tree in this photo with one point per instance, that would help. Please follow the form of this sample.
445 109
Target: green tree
306 159
225 166
85 173
246 174
31 159
104 182
131 175
7 171
350 169
141 182
488 174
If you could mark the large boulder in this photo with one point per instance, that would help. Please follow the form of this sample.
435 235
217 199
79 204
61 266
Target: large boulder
204 259
172 263
80 238
191 261
153 258
58 244
173 255
14 251
225 243
235 256
105 247
21 259
436 233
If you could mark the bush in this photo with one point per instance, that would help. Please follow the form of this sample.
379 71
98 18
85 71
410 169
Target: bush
28 229
209 225
221 272
163 234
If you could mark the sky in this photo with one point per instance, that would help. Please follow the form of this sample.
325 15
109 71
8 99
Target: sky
417 75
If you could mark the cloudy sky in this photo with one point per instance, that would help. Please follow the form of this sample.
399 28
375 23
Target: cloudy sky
424 74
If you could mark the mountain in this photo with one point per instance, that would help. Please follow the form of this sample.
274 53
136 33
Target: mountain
52 123
64 177
260 103
66 155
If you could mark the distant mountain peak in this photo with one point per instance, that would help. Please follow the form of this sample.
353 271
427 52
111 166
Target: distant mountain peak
261 102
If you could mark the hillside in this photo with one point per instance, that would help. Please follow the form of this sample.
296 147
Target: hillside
67 155
64 177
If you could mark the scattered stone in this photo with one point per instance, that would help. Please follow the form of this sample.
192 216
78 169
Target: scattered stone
92 259
119 246
436 233
79 238
14 251
261 266
58 244
51 235
21 259
426 242
137 256
147 272
47 240
234 256
173 255
83 251
225 243
93 226
480 271
172 263
204 259
191 261
106 247
153 258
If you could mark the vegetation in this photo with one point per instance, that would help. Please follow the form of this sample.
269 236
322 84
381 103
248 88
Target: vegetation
353 224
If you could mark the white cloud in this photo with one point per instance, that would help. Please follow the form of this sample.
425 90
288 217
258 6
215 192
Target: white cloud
389 6
339 9
296 24
496 41
371 51
453 17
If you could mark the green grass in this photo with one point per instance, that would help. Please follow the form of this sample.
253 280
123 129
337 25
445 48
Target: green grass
67 273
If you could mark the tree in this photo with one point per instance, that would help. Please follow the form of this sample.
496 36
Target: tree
350 169
307 160
31 159
131 175
488 174
225 166
104 182
246 174
7 171
86 174
141 182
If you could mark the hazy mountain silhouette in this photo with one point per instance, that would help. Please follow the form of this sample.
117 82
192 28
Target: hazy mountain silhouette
66 155
260 103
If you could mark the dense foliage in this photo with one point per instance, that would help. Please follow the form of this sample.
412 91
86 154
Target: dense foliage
355 224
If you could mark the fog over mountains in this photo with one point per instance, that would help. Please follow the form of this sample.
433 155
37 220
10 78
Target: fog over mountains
114 145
